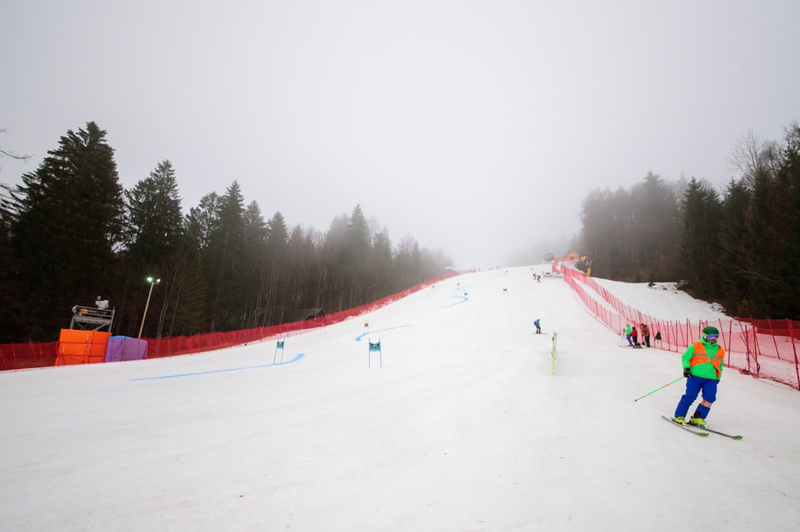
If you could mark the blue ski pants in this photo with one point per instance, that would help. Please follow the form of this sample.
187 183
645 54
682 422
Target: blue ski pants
695 385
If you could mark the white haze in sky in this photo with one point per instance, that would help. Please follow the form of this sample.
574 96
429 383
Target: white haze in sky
476 127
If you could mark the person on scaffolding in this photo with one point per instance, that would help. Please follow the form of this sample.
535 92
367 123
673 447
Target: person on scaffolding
702 366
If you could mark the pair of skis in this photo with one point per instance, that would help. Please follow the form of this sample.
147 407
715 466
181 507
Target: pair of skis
701 431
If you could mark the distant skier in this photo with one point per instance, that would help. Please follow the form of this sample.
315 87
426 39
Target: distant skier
646 334
538 326
635 337
702 366
628 334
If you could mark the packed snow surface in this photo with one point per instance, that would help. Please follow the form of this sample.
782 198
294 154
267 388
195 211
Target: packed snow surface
672 304
464 428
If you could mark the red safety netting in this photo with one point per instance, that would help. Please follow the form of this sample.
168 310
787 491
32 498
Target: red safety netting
28 355
40 354
761 348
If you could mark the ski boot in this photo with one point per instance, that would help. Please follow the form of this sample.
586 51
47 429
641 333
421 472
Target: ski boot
697 421
679 420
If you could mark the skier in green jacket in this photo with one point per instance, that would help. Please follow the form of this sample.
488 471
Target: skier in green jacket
702 366
627 332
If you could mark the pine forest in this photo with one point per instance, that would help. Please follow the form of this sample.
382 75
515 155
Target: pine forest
71 234
739 247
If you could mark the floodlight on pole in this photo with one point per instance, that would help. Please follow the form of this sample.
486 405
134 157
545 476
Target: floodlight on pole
150 293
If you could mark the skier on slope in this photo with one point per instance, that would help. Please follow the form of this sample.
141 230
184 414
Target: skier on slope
538 326
702 367
628 333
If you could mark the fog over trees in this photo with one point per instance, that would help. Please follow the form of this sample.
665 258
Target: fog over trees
70 232
739 246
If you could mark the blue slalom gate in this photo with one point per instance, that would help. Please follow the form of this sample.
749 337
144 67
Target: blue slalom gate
374 347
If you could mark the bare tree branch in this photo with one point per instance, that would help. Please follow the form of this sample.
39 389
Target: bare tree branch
9 154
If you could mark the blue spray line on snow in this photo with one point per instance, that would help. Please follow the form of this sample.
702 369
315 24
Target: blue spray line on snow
463 299
358 338
295 359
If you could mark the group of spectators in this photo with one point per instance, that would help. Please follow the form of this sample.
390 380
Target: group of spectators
632 335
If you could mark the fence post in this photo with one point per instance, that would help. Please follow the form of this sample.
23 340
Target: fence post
774 342
794 349
743 332
757 348
730 335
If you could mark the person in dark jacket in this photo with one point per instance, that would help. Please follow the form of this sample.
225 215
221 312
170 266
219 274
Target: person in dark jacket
646 334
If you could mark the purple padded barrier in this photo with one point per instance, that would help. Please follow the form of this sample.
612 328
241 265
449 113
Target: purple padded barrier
125 348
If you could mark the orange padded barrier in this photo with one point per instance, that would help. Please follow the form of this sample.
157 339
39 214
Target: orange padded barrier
81 347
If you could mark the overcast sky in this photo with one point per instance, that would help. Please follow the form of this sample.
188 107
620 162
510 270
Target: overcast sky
476 127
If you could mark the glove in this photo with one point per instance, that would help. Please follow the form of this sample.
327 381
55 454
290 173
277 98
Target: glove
687 372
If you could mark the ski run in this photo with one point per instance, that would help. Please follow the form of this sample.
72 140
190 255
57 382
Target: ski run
464 428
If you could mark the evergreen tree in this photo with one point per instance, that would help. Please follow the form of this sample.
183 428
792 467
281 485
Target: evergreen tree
203 221
416 264
736 241
201 224
255 232
763 281
382 264
790 174
356 256
300 259
68 222
153 232
11 302
305 247
623 265
333 264
155 221
405 265
700 241
597 233
224 263
655 229
277 274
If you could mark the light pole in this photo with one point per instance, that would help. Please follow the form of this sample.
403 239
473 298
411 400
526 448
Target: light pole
150 293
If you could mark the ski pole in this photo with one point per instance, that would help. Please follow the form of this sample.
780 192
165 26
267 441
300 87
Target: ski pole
654 391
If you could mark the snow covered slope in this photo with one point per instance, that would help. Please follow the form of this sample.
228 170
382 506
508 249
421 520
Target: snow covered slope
663 301
463 429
